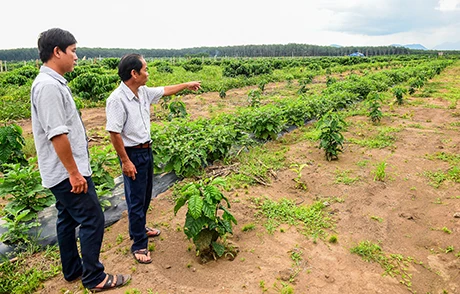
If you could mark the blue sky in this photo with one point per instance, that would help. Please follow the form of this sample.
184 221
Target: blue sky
184 24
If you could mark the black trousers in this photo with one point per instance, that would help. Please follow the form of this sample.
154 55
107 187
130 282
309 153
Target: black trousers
138 194
85 211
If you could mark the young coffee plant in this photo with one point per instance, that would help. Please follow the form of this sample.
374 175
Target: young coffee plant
177 108
203 222
374 103
399 92
297 168
254 97
261 85
222 92
331 138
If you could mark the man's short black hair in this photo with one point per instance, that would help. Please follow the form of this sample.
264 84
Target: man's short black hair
52 38
127 64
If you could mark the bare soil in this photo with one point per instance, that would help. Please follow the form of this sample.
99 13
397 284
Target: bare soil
404 214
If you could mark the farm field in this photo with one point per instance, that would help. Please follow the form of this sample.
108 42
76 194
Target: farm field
403 214
387 211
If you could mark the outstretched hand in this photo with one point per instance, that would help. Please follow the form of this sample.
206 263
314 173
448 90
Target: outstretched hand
194 85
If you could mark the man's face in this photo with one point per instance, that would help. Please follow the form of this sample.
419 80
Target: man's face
143 74
69 59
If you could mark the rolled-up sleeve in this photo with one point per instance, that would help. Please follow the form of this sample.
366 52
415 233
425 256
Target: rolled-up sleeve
51 111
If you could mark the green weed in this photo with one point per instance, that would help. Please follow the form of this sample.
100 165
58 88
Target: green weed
394 265
311 219
248 227
379 172
343 177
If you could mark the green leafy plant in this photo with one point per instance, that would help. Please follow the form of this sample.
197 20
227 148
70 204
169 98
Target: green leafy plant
21 186
331 138
94 86
264 122
177 108
374 103
203 223
11 143
185 147
261 85
254 97
297 168
103 160
303 84
222 92
399 92
18 225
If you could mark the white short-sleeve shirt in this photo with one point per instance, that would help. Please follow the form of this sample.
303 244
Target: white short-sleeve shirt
129 115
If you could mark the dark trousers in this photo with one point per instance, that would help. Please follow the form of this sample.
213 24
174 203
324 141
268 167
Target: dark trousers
85 211
138 194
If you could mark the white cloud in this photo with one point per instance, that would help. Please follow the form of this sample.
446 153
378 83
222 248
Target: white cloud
448 5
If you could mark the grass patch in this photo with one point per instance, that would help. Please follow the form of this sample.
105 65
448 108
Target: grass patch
439 177
343 177
444 156
257 166
379 172
384 138
248 227
23 276
394 265
310 218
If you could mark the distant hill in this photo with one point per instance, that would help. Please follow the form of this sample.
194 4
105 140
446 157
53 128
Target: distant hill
408 46
411 46
448 46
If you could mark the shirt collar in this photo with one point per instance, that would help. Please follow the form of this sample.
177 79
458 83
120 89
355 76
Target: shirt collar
51 72
129 94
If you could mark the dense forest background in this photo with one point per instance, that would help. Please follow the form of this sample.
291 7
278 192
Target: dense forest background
294 50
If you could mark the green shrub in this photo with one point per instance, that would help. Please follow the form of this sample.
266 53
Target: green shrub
11 143
204 223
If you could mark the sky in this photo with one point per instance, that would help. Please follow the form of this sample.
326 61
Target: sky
143 24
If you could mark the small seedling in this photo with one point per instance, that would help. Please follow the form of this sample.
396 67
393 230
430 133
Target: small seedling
333 239
297 168
248 227
119 239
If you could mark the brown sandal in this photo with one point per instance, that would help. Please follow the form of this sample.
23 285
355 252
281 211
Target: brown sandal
121 281
143 252
152 232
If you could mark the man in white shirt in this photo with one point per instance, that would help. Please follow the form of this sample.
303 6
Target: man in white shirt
128 121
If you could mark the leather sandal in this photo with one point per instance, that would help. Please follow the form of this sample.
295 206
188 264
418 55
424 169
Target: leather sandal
121 281
143 252
152 232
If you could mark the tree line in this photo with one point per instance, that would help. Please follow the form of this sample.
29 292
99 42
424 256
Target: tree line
276 50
